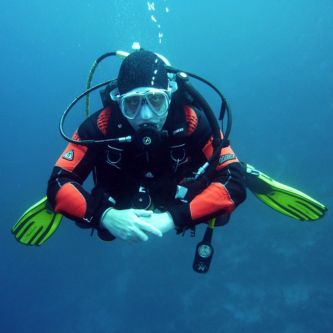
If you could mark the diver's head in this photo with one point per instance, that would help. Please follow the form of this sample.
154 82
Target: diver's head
144 92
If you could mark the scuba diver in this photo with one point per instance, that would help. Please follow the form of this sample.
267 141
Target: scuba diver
160 162
169 142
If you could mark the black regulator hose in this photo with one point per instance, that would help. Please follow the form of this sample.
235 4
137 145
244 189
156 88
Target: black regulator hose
216 133
91 75
198 99
224 104
69 108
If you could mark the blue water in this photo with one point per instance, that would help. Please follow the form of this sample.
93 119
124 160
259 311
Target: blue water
274 62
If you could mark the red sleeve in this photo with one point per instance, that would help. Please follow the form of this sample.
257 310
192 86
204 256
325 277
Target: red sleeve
65 190
65 187
219 194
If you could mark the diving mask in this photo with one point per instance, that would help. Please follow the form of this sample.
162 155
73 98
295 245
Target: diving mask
158 100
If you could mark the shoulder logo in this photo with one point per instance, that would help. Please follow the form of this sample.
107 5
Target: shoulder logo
226 157
69 156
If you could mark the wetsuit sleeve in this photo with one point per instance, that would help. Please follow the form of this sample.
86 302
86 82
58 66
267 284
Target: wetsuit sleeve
222 192
65 187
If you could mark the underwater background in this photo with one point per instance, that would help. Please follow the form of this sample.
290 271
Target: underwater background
273 60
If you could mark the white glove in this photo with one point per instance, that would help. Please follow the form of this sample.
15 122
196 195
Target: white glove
128 224
162 221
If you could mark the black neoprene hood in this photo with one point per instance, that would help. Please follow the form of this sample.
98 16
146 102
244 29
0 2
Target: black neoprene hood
142 69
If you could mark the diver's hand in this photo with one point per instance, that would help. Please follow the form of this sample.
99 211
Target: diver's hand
162 221
129 224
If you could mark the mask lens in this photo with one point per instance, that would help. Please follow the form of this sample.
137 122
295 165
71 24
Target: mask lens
158 101
131 105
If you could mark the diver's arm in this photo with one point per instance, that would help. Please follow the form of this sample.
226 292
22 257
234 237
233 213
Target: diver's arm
224 193
65 191
219 194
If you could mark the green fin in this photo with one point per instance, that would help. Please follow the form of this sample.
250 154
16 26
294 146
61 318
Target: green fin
283 198
37 224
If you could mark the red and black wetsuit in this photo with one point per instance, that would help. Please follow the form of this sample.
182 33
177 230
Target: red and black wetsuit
122 169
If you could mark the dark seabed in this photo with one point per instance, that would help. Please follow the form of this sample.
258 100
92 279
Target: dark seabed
274 62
